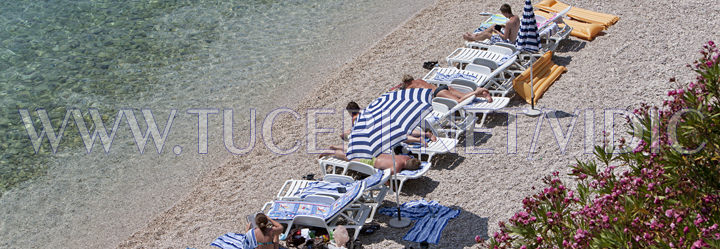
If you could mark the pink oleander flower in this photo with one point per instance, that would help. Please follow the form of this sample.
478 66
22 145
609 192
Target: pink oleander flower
699 244
669 212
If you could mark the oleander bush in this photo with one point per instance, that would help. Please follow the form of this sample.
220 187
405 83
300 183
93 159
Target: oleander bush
662 193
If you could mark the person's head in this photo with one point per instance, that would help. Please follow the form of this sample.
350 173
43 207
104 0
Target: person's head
340 235
263 222
412 164
505 10
353 109
407 79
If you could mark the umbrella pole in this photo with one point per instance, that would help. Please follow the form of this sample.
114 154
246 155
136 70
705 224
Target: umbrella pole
532 112
401 221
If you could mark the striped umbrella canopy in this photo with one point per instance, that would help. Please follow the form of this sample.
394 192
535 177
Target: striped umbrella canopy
387 121
528 36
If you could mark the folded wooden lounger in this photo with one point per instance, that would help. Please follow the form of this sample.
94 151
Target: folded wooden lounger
584 15
544 73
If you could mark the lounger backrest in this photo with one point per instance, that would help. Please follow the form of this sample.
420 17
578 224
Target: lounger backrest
287 210
309 220
468 86
322 199
512 47
481 69
557 18
500 50
361 168
485 62
540 20
443 105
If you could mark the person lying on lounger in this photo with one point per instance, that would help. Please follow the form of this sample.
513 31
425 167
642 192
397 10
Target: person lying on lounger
445 91
382 161
512 26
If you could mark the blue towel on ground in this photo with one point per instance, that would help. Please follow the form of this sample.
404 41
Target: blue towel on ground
236 241
431 218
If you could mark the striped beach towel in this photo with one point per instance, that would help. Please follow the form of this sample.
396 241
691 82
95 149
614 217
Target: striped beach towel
431 218
331 188
494 19
236 240
450 77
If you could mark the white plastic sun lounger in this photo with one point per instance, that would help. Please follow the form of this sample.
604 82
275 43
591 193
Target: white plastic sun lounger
445 75
498 83
502 56
321 211
445 119
337 165
375 189
405 175
443 145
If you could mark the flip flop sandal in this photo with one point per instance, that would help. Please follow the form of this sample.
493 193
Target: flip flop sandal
368 230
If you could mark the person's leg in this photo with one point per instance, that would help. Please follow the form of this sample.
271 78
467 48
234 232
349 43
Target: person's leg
448 94
468 36
458 94
426 134
337 152
485 34
411 138
480 92
483 93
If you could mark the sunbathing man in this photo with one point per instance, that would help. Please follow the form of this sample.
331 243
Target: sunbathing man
382 161
415 137
445 91
512 26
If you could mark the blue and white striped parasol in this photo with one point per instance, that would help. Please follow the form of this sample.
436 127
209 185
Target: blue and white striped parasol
387 121
528 36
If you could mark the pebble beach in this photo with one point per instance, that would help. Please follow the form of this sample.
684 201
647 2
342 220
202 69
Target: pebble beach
629 64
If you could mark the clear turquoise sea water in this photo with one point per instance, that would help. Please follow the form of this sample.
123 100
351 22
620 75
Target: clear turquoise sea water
148 54
118 54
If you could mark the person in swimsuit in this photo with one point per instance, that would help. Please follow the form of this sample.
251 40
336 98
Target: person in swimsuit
382 161
267 232
445 91
512 27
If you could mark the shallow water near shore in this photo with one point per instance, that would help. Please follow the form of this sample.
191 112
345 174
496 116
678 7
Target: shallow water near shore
159 55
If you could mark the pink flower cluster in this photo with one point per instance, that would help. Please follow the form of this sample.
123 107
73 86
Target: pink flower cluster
663 198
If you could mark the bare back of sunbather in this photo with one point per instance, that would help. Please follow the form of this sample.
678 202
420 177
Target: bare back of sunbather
448 92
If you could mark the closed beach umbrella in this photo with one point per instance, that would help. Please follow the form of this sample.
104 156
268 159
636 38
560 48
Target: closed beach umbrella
528 41
528 36
385 123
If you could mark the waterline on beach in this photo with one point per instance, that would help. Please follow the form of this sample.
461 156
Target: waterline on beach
135 55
